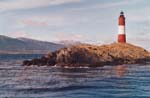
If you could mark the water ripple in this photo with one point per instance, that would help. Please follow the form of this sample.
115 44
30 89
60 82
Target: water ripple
123 81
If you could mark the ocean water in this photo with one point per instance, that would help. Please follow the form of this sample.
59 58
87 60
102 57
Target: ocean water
120 81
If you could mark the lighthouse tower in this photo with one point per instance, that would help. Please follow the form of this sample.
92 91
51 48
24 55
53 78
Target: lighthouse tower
121 33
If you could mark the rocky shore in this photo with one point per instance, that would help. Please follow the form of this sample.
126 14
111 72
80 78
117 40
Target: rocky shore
93 56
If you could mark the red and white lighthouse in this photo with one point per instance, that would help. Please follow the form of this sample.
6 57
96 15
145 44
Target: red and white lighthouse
121 33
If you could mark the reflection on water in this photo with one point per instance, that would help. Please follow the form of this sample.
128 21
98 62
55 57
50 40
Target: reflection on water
122 81
120 70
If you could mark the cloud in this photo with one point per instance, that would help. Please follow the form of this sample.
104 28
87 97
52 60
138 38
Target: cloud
139 17
27 4
69 36
34 23
43 21
18 34
108 5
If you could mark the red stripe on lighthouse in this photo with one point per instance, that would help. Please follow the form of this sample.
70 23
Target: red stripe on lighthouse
122 38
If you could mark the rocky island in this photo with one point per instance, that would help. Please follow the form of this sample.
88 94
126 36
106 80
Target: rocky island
93 56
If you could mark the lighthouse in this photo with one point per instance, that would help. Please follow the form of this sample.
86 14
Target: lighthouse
121 31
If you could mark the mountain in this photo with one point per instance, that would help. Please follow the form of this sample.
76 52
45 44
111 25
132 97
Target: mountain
10 45
69 42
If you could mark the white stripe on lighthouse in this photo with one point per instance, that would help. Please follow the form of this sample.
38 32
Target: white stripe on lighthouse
121 29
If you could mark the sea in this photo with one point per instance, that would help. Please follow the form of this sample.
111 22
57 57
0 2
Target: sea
117 81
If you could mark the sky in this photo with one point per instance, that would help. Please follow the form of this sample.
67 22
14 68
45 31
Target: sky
88 21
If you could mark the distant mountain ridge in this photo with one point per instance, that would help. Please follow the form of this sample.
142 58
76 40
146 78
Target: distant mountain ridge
10 45
69 42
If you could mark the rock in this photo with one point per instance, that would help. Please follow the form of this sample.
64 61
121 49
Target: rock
93 56
26 62
48 55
